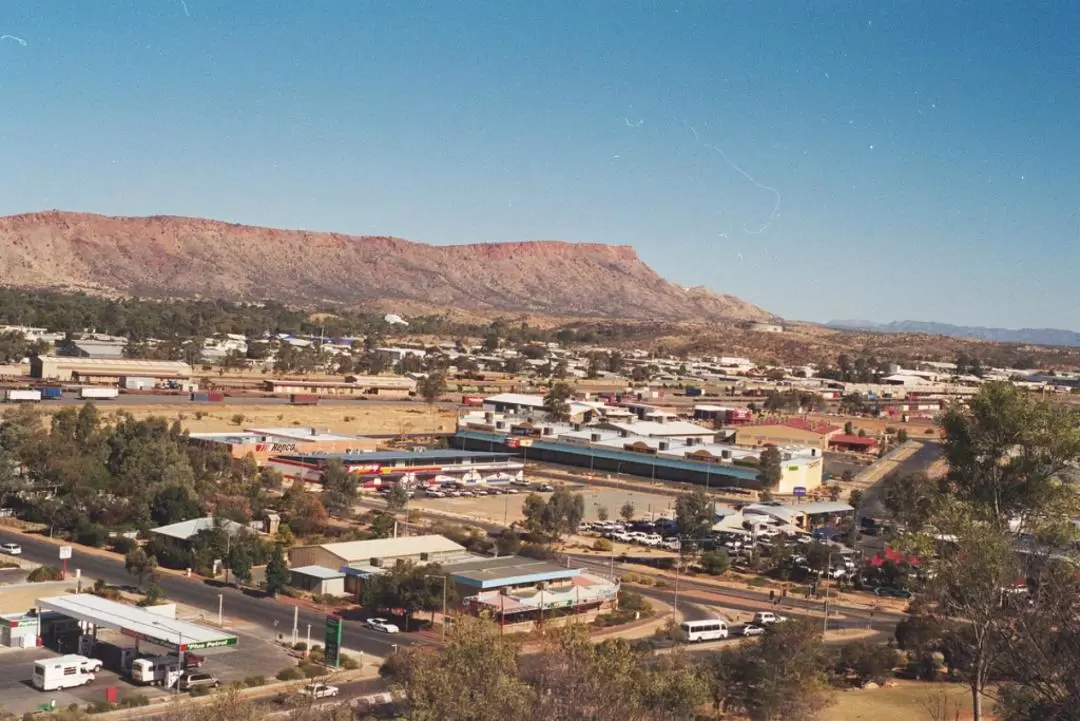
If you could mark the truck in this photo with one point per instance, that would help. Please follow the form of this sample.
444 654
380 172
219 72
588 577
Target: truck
51 393
208 396
52 674
98 394
155 671
20 395
304 399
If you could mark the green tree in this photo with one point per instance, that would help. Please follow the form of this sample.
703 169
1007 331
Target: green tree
911 499
771 467
339 489
397 499
601 513
695 515
866 661
409 586
382 525
140 565
563 512
533 509
277 572
432 387
557 401
715 563
173 504
626 511
238 562
902 436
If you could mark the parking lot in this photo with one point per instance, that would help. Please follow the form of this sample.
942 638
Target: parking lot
252 656
506 507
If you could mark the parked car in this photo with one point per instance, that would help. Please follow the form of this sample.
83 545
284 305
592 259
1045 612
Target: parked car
546 488
752 630
320 690
381 624
11 549
764 618
189 681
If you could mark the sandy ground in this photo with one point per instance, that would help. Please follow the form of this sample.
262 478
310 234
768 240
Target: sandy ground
349 419
507 508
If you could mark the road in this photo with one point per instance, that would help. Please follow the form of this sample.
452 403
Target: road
694 593
247 606
159 399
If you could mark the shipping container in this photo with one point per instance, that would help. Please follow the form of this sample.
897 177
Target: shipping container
217 396
16 395
52 392
200 397
304 399
138 384
694 391
98 394
472 401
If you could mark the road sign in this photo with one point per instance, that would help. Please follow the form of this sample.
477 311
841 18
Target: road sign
798 491
332 641
65 553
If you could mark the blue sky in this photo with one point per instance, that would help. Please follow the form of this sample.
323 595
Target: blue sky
823 160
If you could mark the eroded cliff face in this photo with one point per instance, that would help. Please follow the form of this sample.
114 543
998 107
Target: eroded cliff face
167 256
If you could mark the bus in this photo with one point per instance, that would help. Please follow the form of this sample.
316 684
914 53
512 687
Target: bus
709 630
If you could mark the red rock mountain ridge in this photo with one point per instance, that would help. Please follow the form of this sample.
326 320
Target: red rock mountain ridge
165 256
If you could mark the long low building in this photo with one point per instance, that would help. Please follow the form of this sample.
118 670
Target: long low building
264 443
412 467
106 370
355 386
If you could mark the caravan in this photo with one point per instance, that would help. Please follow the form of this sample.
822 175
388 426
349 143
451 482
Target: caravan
156 671
53 674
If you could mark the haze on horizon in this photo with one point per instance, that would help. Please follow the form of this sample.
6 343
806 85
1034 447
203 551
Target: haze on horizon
849 161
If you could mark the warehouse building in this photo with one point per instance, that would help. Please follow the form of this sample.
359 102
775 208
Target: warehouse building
113 371
264 443
791 432
352 387
431 467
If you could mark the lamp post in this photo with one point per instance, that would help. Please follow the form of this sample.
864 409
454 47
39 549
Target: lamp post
825 621
443 577
220 609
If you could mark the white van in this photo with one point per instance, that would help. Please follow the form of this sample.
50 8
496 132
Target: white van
712 629
69 671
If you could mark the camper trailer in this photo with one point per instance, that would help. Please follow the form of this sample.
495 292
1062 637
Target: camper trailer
53 674
156 671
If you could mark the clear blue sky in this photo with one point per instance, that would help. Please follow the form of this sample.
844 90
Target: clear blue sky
824 160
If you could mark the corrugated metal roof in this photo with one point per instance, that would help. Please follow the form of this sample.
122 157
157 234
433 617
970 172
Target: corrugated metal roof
517 399
320 572
391 548
186 529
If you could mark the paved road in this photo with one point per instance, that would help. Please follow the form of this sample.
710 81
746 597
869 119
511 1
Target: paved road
156 399
271 615
697 593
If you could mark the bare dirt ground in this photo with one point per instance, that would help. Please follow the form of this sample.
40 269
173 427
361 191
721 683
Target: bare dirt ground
351 419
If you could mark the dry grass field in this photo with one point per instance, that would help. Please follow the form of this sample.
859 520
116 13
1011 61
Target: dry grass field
355 419
907 701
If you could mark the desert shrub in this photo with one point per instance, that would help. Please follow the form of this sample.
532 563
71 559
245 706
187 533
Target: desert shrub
292 673
45 573
133 700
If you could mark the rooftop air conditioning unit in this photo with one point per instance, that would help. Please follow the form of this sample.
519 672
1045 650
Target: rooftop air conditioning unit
500 425
377 562
624 433
595 437
725 455
425 556
663 445
489 417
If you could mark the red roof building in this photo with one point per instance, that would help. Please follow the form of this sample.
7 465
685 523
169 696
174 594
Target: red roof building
845 442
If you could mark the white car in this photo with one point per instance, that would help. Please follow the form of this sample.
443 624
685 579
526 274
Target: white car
91 665
752 630
11 549
381 624
320 690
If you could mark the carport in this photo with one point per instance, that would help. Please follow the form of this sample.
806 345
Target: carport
137 623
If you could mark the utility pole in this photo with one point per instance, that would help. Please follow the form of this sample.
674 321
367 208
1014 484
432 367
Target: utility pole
295 625
220 608
825 621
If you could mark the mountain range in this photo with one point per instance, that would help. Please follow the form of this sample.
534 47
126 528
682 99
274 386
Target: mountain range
168 256
1030 336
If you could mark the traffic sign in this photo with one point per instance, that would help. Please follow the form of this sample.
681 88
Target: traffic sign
798 491
65 553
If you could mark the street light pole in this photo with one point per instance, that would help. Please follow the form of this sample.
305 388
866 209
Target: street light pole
825 622
220 609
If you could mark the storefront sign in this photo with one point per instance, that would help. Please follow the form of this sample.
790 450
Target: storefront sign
217 643
332 641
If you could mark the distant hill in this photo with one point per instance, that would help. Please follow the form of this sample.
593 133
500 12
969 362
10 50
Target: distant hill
1028 336
170 257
